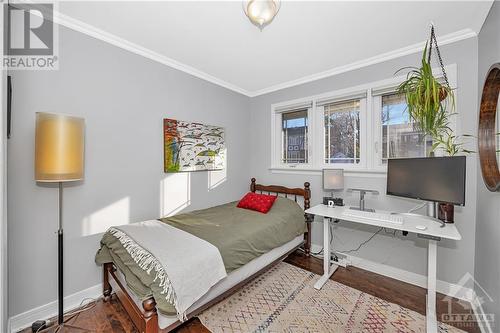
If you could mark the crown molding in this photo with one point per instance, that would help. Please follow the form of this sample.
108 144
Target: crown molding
102 35
415 48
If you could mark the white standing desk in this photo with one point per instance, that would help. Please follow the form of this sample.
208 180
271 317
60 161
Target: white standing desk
433 233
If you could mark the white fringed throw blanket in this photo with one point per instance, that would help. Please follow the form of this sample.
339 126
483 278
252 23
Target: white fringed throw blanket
185 265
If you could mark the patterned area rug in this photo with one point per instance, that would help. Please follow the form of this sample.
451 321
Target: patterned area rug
284 300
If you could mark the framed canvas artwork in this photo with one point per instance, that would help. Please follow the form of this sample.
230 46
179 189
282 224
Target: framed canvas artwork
192 146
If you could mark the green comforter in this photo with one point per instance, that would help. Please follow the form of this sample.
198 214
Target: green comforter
241 235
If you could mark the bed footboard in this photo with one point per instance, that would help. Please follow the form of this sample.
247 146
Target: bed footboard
145 319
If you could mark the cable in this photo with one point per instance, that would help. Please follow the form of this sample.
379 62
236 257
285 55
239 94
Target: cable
417 207
81 308
359 246
73 313
362 244
318 253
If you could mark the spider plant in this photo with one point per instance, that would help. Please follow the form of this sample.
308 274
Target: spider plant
430 105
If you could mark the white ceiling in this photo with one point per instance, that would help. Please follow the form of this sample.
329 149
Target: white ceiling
215 40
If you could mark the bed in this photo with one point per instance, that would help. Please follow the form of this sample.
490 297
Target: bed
257 242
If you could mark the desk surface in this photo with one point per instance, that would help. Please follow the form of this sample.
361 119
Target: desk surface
449 231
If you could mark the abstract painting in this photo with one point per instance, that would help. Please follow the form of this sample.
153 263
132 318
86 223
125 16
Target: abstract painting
192 146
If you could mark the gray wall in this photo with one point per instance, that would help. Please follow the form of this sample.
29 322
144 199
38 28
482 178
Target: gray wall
487 269
408 253
123 98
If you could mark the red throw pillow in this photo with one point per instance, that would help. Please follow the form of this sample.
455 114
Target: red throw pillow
258 202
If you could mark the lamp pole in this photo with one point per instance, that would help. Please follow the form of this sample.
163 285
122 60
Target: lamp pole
60 318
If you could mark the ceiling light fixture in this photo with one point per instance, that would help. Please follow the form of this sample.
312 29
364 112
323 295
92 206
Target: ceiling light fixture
261 12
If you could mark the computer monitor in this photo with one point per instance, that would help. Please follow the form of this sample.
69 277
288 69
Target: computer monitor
437 179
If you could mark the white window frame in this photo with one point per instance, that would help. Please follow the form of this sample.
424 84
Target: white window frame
276 136
370 126
320 128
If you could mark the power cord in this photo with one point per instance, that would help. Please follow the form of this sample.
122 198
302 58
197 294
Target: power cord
71 314
417 207
362 244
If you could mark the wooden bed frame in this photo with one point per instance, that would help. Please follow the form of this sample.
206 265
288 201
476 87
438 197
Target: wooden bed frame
146 319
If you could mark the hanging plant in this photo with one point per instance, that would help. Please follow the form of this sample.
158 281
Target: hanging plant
431 102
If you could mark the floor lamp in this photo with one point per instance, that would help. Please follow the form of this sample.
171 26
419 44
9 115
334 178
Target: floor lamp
59 158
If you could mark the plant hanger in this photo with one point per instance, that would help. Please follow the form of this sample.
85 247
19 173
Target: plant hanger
433 41
430 101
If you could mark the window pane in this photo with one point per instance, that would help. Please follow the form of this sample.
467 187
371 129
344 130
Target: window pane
342 132
399 137
294 137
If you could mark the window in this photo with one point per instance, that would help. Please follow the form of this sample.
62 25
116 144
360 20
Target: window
294 128
399 136
342 132
357 129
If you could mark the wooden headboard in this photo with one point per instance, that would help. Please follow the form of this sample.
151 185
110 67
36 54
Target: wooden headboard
292 192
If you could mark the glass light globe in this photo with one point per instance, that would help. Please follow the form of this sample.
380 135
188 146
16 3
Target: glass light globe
261 12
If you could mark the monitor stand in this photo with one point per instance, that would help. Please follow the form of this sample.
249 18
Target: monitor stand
362 193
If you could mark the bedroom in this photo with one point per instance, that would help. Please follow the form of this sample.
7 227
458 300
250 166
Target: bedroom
126 67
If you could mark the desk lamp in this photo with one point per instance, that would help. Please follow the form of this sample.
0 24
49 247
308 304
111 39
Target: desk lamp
333 180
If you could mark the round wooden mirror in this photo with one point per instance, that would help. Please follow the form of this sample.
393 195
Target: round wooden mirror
489 128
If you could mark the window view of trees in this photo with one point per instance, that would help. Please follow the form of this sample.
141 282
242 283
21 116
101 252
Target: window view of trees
399 136
342 132
294 137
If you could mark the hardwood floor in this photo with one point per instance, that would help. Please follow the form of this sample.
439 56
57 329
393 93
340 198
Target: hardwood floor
111 317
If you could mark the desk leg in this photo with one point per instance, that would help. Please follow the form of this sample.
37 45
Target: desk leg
431 315
327 269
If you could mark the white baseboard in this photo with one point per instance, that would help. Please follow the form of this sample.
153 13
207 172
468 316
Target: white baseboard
25 319
443 287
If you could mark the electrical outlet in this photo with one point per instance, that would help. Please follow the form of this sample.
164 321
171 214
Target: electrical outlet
340 259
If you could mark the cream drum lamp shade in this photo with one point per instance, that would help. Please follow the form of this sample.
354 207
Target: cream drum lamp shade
333 179
59 147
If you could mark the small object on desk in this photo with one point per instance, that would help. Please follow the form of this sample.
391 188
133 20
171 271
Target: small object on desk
336 201
446 212
420 227
382 217
362 193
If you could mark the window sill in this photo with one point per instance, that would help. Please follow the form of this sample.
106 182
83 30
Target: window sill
373 173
